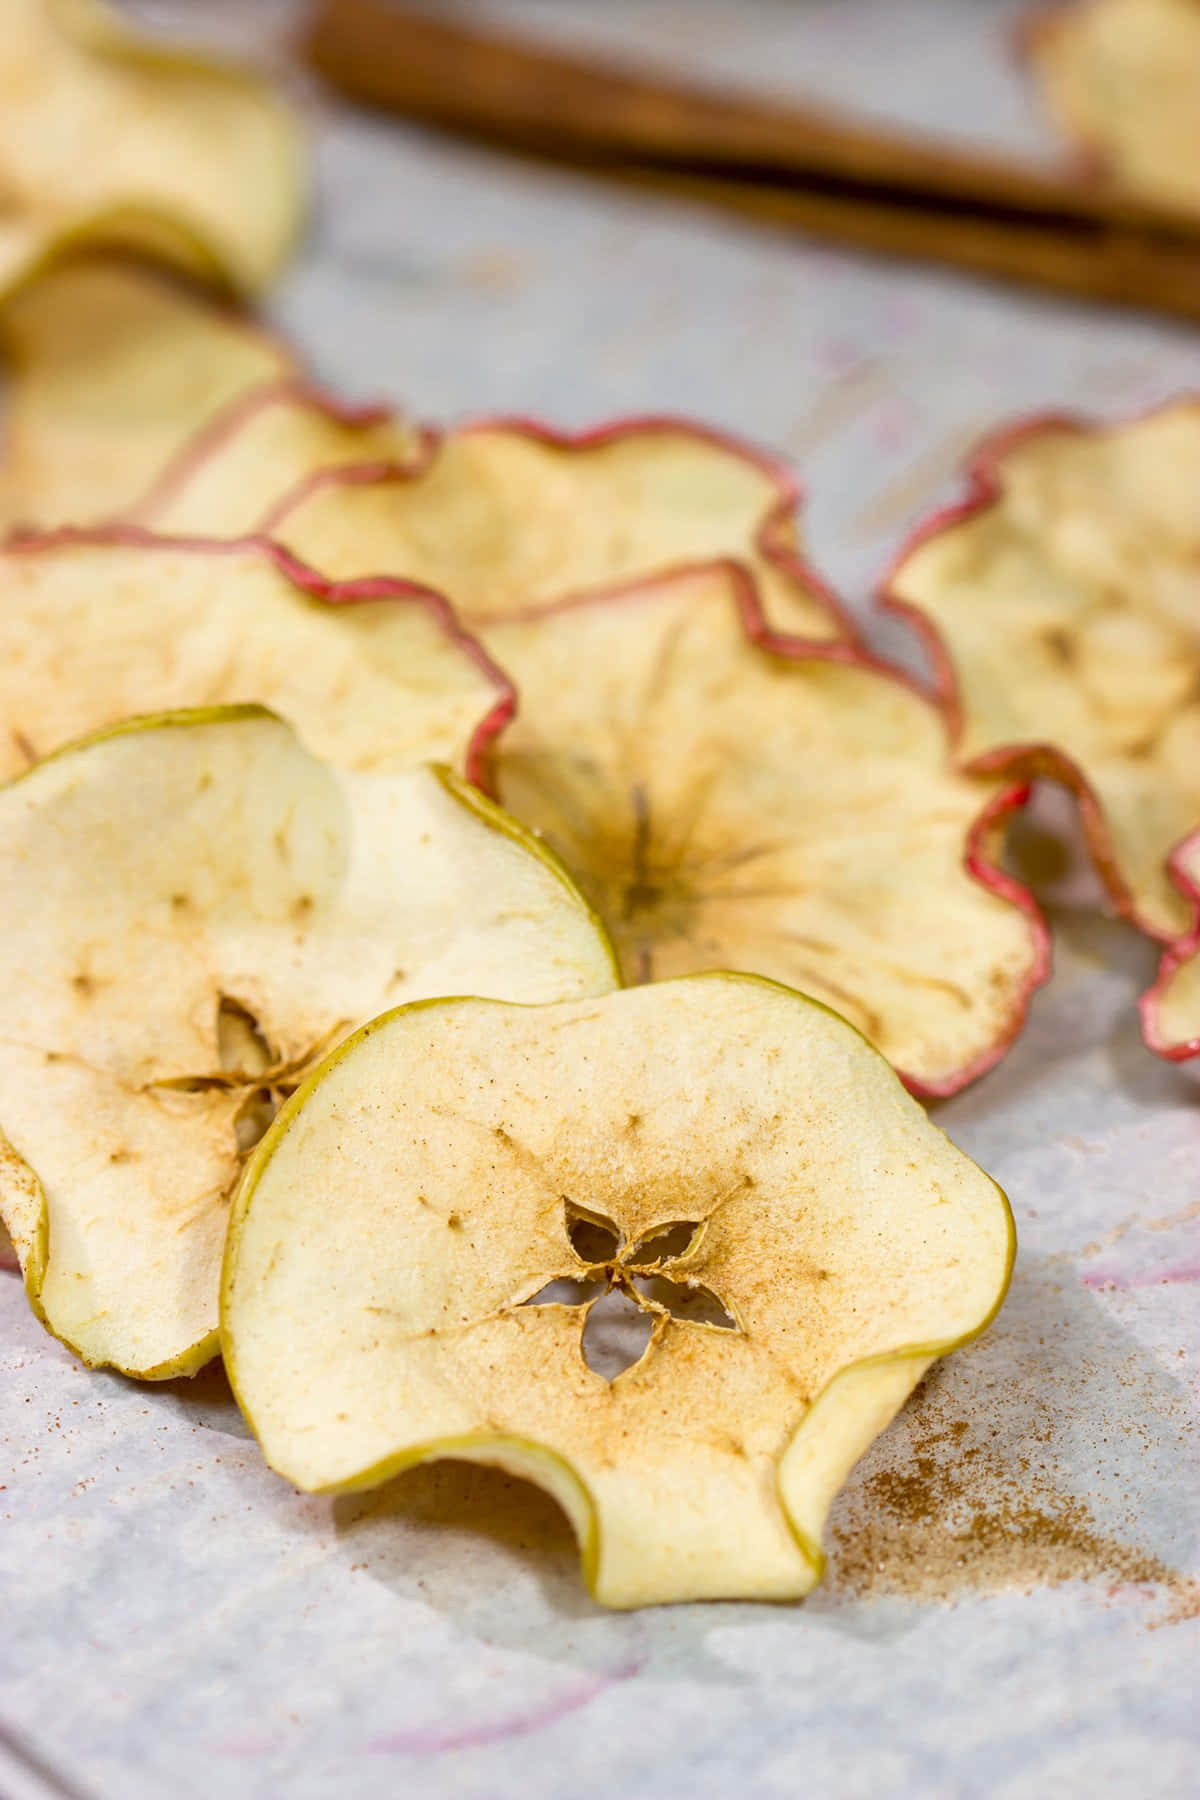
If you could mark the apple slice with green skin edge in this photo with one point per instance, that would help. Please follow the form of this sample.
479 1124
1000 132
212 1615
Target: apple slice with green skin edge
508 515
1170 1009
109 138
727 798
374 674
1059 603
1121 79
194 910
113 368
417 1195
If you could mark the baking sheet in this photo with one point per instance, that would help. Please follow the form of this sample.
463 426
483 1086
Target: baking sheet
1012 1606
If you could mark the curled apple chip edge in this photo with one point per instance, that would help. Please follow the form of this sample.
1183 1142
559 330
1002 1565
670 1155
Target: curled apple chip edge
195 910
729 1137
376 673
457 518
728 797
226 479
1024 717
113 369
149 146
1170 1007
1120 79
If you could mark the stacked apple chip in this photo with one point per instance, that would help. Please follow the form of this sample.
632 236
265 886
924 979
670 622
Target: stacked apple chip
255 904
610 506
374 674
452 1168
1064 594
113 369
314 1056
261 656
678 666
1122 78
250 873
1061 602
113 140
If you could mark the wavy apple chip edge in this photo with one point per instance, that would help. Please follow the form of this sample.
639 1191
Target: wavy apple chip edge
507 514
1058 602
195 909
112 370
373 674
725 1135
727 798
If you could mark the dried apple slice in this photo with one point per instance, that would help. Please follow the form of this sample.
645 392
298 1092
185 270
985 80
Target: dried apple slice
1122 79
718 1133
509 516
112 370
727 800
110 138
1171 1008
374 674
194 909
1061 603
228 478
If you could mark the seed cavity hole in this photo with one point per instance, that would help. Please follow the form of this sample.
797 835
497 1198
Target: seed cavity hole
593 1238
668 1241
565 1292
615 1334
254 1118
692 1305
241 1047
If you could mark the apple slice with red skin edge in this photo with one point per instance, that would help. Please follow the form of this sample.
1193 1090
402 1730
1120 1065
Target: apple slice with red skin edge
110 138
1059 603
420 1194
730 798
1121 80
508 515
228 478
195 910
1170 1009
112 369
375 674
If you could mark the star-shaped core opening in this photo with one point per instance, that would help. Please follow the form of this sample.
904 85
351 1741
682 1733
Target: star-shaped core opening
248 1063
631 1292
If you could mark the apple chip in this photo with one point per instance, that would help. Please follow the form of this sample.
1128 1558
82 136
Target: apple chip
459 1189
1061 602
1122 79
228 478
1171 1008
109 138
194 910
112 370
508 516
374 674
727 800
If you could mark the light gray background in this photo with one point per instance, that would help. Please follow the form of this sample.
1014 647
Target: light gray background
176 1622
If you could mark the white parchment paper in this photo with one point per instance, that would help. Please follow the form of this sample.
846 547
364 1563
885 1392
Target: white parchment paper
1009 1611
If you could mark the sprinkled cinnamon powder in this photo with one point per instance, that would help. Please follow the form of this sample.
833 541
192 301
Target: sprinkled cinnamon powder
957 1518
995 1476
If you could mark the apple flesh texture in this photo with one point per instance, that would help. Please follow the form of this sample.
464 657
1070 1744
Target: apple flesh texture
194 909
419 1192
